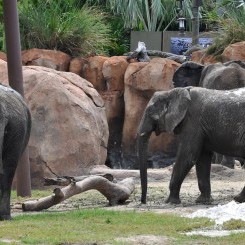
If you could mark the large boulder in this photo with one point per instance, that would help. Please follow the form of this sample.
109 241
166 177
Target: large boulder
234 51
141 81
54 59
69 126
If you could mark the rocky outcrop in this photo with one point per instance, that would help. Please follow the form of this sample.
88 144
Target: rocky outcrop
92 71
76 65
234 51
54 59
201 57
141 81
69 130
113 71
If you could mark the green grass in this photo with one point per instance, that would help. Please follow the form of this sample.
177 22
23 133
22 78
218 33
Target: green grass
94 225
86 225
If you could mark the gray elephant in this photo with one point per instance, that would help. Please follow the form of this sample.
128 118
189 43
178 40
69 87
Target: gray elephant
229 75
15 126
206 120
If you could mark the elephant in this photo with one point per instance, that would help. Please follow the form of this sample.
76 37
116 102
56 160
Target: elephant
15 126
229 75
205 121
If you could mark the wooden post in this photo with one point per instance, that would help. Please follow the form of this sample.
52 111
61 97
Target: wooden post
12 37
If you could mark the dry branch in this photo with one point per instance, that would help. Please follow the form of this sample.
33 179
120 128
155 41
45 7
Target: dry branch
66 180
114 192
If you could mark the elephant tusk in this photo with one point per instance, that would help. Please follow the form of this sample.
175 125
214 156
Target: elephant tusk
142 134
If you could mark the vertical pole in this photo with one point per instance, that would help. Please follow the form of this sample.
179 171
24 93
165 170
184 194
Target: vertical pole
195 22
14 61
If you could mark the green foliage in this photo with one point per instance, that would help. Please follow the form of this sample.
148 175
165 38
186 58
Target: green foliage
120 35
64 26
231 28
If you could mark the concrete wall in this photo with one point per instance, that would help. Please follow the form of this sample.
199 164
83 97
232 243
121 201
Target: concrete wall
159 40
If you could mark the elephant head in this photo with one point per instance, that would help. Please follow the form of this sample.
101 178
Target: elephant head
188 74
164 112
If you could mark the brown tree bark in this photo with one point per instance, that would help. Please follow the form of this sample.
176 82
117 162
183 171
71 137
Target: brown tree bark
114 192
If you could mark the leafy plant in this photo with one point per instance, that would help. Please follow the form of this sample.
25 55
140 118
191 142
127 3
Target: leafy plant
231 26
64 26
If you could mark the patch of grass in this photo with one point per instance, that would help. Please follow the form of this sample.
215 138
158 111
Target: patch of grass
86 225
94 225
234 224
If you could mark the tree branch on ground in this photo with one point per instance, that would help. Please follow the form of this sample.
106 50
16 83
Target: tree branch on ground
116 193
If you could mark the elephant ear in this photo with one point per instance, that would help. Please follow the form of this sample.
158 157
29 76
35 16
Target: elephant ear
177 108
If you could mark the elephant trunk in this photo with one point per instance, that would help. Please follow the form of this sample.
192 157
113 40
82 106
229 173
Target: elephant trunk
142 145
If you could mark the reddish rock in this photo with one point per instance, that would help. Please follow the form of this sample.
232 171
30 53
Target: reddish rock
201 57
113 71
56 60
141 81
76 65
69 130
92 71
114 104
3 56
234 51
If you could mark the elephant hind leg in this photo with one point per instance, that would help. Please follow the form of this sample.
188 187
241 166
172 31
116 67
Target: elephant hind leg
241 196
5 191
11 156
203 168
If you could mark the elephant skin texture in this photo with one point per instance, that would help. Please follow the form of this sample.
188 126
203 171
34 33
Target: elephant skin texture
226 76
205 121
15 126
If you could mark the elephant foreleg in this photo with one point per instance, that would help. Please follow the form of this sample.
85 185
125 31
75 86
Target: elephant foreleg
181 168
203 168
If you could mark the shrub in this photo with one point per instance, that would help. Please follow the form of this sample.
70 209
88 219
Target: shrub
231 30
64 27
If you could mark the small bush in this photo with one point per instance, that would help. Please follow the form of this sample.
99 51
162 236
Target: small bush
232 30
68 28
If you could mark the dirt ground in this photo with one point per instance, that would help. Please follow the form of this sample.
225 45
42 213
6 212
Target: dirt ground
225 183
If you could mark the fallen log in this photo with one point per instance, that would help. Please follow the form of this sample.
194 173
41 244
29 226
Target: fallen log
115 193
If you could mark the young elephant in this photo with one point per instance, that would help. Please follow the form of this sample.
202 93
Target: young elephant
15 126
206 121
